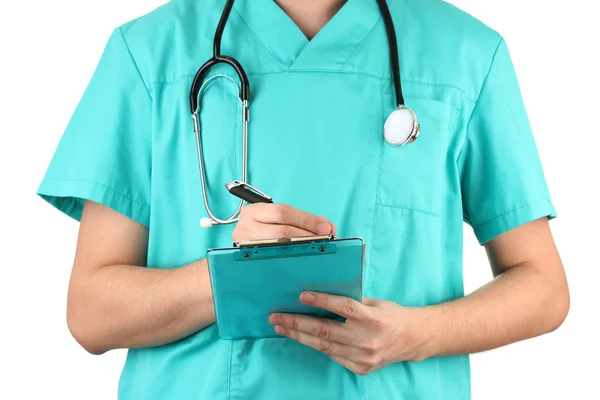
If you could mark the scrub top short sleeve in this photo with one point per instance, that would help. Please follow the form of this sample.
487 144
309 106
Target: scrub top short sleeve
503 185
315 142
105 152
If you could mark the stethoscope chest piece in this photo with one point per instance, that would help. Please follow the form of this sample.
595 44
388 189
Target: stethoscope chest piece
401 127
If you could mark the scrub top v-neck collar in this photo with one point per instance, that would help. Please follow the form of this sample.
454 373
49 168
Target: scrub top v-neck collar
331 47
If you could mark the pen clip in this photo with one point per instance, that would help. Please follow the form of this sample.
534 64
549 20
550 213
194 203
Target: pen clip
249 187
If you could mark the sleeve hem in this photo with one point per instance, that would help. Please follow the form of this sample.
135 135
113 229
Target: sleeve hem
507 221
68 196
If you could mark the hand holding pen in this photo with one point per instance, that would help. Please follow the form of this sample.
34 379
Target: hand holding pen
262 219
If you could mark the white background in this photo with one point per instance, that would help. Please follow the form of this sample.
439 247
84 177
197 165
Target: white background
48 51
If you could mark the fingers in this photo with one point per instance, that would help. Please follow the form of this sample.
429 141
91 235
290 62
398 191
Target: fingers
255 230
370 302
323 345
318 327
358 360
357 368
282 231
344 306
282 214
333 228
274 221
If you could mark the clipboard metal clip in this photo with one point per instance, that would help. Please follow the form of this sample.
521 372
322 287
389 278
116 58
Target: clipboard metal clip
284 241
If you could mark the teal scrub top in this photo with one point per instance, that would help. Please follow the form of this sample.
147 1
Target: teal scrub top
316 143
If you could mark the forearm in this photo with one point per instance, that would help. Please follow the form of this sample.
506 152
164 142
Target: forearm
520 303
123 306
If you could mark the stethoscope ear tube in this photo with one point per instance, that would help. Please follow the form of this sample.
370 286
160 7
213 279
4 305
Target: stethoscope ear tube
217 58
393 47
401 127
202 72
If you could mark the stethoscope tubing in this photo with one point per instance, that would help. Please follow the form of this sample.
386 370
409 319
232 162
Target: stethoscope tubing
199 83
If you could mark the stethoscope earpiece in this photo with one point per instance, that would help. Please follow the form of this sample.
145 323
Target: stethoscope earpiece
401 127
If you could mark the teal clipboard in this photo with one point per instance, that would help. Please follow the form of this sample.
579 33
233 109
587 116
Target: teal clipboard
252 280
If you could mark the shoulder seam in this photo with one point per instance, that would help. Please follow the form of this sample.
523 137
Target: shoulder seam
137 68
490 68
487 75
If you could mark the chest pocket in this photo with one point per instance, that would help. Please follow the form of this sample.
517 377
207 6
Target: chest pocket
412 176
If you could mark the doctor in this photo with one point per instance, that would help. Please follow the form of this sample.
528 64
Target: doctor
321 89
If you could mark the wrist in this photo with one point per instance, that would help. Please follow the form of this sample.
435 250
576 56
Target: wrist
205 288
424 332
200 290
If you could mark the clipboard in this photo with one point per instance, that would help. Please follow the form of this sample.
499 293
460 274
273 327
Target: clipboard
254 279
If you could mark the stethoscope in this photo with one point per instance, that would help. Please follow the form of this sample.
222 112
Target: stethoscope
400 128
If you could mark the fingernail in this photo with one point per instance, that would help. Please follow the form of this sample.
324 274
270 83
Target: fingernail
323 228
307 297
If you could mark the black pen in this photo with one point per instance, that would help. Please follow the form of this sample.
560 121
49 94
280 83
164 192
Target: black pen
247 193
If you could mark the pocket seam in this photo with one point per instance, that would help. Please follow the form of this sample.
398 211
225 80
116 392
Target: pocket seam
452 109
433 214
